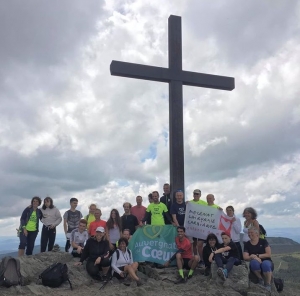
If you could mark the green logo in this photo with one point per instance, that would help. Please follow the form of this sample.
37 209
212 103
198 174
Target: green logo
152 231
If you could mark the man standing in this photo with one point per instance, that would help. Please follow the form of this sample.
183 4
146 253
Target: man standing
184 256
90 217
139 211
129 221
97 223
198 243
210 198
178 209
166 199
157 211
71 221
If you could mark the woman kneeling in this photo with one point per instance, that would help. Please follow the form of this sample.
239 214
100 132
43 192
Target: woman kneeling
122 262
258 252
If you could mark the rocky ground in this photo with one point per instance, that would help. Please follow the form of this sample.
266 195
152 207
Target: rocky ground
156 281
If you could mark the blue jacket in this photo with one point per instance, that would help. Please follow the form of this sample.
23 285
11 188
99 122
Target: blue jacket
26 215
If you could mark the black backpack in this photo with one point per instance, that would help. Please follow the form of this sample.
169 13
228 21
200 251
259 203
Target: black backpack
55 275
10 274
118 253
262 231
279 283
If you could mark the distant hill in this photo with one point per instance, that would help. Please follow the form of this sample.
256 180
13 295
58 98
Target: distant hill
283 245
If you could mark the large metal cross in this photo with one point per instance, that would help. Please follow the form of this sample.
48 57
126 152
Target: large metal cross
176 77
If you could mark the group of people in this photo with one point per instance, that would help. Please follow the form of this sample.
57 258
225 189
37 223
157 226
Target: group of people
104 244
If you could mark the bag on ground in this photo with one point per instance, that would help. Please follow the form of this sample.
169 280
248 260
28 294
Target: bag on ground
55 275
10 274
279 283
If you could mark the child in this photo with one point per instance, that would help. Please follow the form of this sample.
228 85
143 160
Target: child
227 254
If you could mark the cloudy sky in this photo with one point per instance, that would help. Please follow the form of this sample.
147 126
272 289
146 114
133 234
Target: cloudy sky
69 128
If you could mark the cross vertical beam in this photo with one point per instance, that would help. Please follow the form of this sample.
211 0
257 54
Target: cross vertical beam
176 77
176 142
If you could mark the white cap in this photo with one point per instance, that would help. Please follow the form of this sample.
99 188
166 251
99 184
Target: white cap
100 229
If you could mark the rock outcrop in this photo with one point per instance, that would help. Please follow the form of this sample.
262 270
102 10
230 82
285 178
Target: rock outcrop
156 281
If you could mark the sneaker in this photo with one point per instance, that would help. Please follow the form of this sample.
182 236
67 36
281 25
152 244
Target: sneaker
189 276
261 282
221 273
181 280
201 264
139 283
268 287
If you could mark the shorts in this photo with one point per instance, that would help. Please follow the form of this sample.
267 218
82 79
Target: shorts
116 275
186 263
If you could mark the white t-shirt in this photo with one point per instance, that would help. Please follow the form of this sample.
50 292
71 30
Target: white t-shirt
78 238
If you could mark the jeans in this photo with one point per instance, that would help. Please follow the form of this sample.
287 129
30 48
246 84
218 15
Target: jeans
47 238
93 270
265 266
220 261
28 241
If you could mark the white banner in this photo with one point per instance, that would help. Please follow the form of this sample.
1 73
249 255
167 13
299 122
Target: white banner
202 220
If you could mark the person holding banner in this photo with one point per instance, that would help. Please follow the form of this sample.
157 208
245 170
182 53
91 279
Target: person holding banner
198 243
236 227
227 254
184 256
157 211
210 198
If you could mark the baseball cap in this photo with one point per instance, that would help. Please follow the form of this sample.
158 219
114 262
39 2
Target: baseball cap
197 191
100 229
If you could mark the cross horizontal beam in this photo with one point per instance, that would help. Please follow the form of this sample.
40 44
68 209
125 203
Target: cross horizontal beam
160 74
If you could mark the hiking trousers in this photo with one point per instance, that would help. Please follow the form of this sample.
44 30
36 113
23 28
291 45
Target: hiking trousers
47 238
28 241
93 270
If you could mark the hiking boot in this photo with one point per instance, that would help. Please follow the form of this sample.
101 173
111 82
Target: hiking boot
268 287
221 273
139 283
181 280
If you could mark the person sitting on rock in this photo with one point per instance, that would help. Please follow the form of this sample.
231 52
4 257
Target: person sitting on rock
184 255
258 252
78 238
212 244
122 262
97 252
227 254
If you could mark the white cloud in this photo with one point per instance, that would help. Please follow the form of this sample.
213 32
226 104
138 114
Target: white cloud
69 128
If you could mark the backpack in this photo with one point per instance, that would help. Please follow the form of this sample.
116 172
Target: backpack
118 253
262 231
10 274
55 275
279 283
